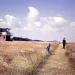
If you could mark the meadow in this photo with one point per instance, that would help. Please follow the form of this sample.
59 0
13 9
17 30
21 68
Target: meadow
71 51
21 58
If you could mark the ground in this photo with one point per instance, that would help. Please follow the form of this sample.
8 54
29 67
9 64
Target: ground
57 64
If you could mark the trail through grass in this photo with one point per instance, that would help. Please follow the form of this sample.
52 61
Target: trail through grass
57 64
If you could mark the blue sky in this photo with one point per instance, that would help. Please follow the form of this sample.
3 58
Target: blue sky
39 19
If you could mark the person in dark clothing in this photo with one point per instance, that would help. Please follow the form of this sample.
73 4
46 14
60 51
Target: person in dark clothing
64 43
48 48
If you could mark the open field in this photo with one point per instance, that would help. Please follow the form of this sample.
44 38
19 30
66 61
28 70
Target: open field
71 51
21 58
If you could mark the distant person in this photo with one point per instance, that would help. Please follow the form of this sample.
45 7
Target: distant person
48 48
64 42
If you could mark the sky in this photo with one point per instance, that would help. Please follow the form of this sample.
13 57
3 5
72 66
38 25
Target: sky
39 19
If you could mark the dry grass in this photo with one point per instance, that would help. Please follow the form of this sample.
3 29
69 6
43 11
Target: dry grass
71 51
20 58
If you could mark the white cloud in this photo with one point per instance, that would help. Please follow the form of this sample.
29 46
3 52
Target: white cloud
52 24
37 23
33 12
10 20
53 21
47 28
34 26
38 26
2 23
72 24
28 29
31 21
58 20
32 15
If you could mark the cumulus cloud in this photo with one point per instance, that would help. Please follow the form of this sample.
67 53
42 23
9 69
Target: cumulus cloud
2 23
36 25
32 14
47 28
58 20
52 24
72 24
10 21
53 21
36 22
31 19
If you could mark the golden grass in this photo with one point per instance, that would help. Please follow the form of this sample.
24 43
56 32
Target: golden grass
71 51
20 58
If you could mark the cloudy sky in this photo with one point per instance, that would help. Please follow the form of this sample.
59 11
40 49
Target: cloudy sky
39 19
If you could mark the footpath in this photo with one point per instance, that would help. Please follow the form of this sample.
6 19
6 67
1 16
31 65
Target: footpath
57 64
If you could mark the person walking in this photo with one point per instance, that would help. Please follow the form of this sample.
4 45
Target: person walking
64 43
48 48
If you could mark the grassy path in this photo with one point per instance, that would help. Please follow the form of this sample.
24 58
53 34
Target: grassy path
57 64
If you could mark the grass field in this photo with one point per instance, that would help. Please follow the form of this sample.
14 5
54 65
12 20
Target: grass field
71 51
21 58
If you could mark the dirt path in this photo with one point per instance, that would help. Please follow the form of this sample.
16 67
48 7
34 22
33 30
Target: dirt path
57 64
